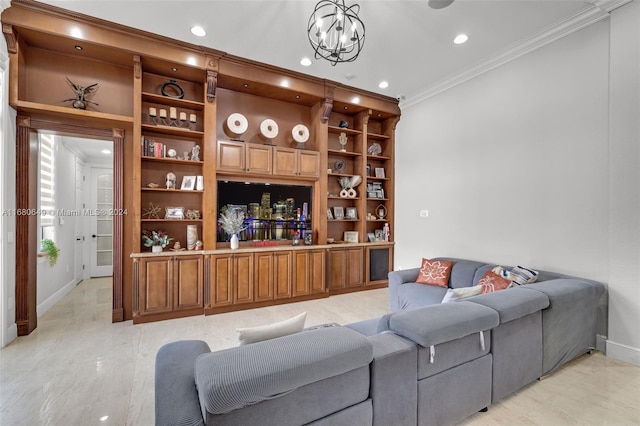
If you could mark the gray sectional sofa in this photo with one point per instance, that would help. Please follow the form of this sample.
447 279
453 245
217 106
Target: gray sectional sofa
426 363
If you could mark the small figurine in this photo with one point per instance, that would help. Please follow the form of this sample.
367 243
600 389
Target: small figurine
195 153
199 245
80 101
177 245
171 180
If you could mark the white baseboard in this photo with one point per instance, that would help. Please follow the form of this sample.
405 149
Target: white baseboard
623 353
56 297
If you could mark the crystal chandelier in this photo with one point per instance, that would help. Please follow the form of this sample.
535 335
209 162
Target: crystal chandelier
335 31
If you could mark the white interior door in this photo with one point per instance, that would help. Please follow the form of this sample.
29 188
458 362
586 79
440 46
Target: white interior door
101 222
79 231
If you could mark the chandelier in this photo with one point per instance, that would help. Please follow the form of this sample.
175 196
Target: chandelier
335 31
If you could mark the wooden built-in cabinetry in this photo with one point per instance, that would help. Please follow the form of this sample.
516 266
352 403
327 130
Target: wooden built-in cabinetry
131 67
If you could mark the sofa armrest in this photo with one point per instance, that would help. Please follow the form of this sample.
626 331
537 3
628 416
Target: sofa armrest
176 397
396 279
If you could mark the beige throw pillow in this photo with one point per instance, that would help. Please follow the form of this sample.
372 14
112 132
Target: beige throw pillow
271 331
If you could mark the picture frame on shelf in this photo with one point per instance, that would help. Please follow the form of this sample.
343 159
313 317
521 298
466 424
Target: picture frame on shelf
329 214
372 237
380 172
188 183
351 213
174 213
379 234
338 213
351 236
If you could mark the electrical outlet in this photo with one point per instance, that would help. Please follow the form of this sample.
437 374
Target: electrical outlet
424 213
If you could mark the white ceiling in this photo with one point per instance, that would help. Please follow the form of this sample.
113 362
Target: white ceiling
407 43
89 150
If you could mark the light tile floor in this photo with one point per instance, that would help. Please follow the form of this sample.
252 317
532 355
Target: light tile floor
77 368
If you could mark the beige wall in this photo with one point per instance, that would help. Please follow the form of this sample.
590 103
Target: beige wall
514 167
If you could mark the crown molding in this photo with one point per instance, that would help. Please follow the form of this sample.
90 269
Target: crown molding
595 12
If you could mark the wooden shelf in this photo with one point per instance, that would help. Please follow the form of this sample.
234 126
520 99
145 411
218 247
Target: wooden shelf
79 114
170 130
166 100
343 153
377 178
173 161
338 130
377 136
378 157
172 191
170 220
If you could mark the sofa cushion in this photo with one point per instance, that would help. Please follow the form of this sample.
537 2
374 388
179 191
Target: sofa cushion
491 282
270 331
463 273
411 296
514 303
435 272
431 325
242 376
456 294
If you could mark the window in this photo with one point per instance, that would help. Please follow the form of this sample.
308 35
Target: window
47 167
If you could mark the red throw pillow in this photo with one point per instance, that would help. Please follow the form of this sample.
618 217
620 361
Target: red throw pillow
491 282
435 272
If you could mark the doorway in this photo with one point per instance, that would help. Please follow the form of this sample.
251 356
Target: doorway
27 129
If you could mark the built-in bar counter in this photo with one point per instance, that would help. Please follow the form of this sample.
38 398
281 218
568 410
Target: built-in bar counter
173 284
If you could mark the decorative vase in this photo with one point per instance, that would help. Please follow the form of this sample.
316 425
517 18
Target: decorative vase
156 249
192 236
234 241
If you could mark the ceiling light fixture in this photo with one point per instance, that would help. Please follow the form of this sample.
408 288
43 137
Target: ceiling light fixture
305 62
383 85
335 31
197 30
78 47
106 151
461 38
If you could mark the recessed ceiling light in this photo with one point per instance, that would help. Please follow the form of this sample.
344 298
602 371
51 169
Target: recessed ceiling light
245 85
174 69
350 76
305 62
106 151
461 38
78 47
198 31
383 84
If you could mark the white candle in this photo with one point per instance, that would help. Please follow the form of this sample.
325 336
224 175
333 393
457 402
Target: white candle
173 113
152 112
183 116
163 113
192 118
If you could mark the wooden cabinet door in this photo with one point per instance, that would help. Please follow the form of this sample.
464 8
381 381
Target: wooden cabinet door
308 272
221 279
243 273
285 161
355 267
336 266
155 280
231 156
187 282
258 158
282 272
317 271
264 276
308 163
301 280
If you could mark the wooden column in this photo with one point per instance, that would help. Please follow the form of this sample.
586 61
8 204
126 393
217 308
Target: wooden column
26 225
117 314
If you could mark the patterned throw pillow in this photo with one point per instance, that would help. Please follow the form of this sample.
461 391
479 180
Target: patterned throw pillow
491 282
435 272
522 275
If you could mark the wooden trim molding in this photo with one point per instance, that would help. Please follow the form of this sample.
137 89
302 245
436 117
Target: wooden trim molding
212 84
137 67
10 37
118 224
26 227
27 198
327 106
